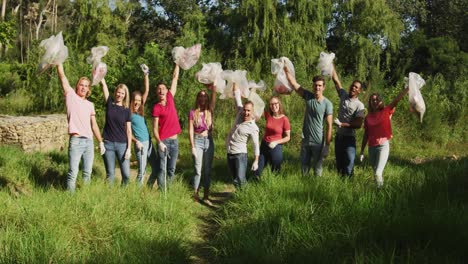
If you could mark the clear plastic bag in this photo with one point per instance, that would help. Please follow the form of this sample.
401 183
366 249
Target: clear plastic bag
325 64
99 68
259 105
186 58
282 85
55 52
211 73
260 86
415 83
240 78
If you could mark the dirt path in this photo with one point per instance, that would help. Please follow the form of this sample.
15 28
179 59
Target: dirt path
202 253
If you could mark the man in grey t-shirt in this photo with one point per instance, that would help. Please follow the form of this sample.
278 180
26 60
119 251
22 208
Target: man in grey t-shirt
350 118
315 146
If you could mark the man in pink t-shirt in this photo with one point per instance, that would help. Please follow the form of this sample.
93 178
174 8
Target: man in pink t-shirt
166 127
81 127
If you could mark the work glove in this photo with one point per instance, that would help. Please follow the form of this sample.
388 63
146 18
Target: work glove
337 122
255 165
139 145
144 68
162 147
128 153
361 158
102 148
272 144
194 152
325 151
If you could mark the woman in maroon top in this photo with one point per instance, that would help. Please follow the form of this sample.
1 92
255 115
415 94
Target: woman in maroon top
277 132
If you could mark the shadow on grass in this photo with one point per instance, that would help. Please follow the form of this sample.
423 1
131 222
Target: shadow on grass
422 218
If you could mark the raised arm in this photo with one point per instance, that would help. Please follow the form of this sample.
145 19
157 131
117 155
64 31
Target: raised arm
336 80
237 96
63 79
175 79
146 92
212 87
105 90
397 99
297 87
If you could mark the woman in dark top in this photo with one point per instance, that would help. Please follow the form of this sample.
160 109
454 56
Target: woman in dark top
117 132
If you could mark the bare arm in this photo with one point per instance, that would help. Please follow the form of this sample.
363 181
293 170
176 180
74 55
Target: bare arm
175 79
336 80
129 134
212 87
329 120
191 133
95 128
63 79
286 137
400 96
297 87
105 90
146 92
156 129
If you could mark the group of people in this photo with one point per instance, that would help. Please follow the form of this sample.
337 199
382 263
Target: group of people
125 124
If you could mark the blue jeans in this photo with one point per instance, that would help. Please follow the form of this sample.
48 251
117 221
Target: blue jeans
311 156
204 147
167 162
116 150
237 164
153 160
79 148
142 158
345 153
378 156
274 157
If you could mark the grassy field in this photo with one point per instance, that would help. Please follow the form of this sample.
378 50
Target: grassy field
419 216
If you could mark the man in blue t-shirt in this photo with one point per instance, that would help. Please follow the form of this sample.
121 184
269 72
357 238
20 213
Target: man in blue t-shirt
315 146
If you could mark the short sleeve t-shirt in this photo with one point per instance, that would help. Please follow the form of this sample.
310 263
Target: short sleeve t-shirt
316 112
168 121
378 126
349 109
139 128
116 119
79 112
275 127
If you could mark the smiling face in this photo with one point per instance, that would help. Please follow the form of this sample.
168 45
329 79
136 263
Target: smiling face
248 112
319 87
355 89
82 87
161 90
375 103
136 102
274 106
202 100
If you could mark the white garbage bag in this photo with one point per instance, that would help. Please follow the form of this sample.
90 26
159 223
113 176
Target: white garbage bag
415 83
240 78
55 52
325 64
99 68
186 58
211 73
259 105
282 85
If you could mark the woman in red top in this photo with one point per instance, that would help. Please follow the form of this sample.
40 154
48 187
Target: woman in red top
378 132
277 132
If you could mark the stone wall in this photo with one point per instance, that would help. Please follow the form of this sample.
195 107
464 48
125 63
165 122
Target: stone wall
35 133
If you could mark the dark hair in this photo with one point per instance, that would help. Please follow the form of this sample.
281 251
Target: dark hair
318 78
249 102
378 98
358 81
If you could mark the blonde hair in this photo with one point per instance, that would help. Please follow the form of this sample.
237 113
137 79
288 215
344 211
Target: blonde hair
126 100
207 112
89 89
